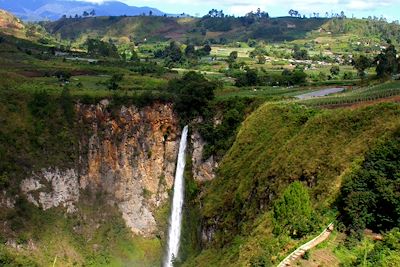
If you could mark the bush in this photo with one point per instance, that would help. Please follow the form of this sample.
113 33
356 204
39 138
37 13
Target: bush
370 196
292 212
63 76
113 82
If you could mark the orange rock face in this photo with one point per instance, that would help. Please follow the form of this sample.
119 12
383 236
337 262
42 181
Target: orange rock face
130 154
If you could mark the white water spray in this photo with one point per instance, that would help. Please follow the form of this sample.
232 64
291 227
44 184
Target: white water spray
174 233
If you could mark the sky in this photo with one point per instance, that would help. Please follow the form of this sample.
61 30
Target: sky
390 9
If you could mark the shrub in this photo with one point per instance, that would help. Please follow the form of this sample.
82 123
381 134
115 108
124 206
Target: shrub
63 76
113 82
292 212
370 196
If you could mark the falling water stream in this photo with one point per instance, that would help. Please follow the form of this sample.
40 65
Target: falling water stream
174 232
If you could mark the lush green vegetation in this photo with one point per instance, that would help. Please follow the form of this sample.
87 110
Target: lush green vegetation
286 169
292 212
357 95
370 196
94 236
37 132
192 94
232 111
276 145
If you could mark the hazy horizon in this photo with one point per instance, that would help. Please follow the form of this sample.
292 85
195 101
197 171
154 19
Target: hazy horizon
356 8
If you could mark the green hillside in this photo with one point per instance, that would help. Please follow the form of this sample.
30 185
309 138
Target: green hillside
289 158
122 29
138 29
275 146
11 25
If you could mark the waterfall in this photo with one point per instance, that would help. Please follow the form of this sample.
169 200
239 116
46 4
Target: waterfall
174 232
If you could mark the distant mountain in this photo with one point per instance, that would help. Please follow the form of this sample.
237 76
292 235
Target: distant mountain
35 10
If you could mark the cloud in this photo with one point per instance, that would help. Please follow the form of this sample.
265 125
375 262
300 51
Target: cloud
295 4
241 7
369 4
95 1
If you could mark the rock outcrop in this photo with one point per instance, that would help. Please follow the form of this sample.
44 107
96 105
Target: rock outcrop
128 154
52 188
202 170
131 156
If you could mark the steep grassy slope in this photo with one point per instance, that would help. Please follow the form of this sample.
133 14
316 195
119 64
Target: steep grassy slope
276 145
10 24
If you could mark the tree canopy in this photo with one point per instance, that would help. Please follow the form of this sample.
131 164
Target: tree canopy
192 93
292 212
371 194
386 62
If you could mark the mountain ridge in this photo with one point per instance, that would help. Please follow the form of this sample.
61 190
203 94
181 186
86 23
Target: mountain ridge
37 10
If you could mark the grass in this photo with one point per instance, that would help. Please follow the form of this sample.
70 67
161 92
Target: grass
94 236
277 144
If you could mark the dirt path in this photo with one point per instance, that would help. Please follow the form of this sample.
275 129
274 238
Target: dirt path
300 251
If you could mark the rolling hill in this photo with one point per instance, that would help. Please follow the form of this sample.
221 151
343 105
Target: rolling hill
219 30
11 25
196 29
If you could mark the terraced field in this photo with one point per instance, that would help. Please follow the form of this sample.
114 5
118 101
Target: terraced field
350 96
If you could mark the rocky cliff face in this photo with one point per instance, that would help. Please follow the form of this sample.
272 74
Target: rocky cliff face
129 155
202 170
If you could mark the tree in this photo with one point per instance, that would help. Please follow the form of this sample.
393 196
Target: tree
300 54
190 50
85 14
113 82
99 48
261 59
386 62
173 52
233 56
63 76
207 49
192 93
370 195
204 51
335 70
361 64
292 212
92 13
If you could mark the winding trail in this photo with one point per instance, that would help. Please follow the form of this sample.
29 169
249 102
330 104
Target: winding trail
300 251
